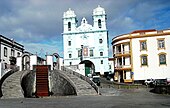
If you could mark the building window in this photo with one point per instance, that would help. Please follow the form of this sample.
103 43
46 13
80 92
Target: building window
69 26
100 41
70 55
110 67
143 45
161 43
144 60
101 53
99 23
69 43
79 53
162 58
12 52
123 60
5 52
101 61
85 51
18 54
91 53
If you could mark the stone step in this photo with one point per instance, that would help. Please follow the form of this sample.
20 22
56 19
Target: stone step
11 87
83 87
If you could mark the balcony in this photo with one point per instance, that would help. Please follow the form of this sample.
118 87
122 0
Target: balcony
123 53
123 67
128 80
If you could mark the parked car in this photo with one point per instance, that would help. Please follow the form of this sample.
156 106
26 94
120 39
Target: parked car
149 82
96 79
161 82
168 81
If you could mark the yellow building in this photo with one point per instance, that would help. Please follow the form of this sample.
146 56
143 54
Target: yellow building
141 54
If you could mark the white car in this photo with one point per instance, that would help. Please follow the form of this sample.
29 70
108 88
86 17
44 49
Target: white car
149 81
168 81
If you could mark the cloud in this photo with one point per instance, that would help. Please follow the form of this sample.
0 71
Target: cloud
39 22
42 48
122 25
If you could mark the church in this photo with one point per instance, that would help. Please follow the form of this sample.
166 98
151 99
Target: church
86 44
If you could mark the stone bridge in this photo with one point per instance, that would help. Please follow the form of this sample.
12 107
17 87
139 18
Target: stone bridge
20 84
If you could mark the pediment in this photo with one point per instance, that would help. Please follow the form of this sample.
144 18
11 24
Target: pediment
84 26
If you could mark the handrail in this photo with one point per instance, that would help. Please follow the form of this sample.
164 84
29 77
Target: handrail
82 77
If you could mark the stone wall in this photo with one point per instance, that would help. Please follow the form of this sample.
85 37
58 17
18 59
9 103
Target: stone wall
28 83
60 84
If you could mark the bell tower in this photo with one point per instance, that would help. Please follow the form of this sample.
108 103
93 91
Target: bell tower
69 21
99 18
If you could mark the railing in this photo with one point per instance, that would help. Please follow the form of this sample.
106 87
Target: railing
123 66
122 52
82 77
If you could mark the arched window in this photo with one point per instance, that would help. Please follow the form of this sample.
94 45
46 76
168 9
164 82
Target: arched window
18 54
99 23
70 55
101 53
101 61
12 52
69 26
100 41
5 52
69 43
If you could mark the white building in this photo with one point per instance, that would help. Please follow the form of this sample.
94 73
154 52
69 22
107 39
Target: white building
111 65
86 44
142 54
9 51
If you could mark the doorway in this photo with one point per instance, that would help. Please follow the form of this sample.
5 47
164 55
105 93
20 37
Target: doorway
89 67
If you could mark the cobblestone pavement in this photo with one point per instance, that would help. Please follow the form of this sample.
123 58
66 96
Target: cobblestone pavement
110 98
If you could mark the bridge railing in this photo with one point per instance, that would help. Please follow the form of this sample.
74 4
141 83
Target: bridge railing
82 77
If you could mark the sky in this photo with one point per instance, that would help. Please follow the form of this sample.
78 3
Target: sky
38 25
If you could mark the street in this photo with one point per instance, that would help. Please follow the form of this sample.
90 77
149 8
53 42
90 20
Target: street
110 98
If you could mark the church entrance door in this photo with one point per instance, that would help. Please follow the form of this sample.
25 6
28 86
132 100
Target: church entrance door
89 67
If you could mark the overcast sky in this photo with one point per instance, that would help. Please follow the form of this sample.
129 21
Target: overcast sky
37 24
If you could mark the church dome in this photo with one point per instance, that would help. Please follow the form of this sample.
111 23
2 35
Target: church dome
99 11
69 13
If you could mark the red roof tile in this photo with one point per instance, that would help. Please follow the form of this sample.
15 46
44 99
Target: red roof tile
140 31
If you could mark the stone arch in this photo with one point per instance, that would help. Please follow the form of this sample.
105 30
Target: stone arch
61 84
56 64
89 67
25 61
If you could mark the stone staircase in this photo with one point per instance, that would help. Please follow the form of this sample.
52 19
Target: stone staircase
11 87
83 87
42 80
